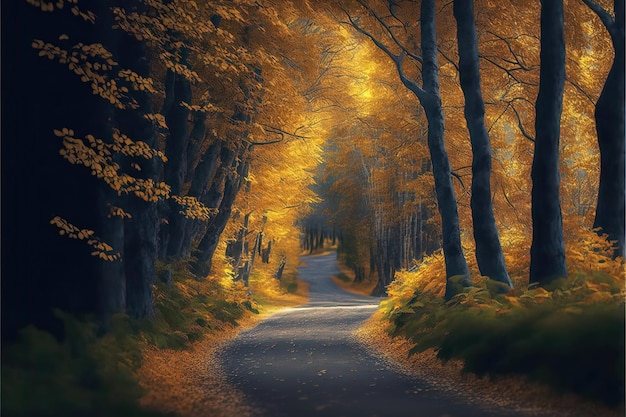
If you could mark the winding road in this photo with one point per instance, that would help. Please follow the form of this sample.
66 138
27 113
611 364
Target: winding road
304 362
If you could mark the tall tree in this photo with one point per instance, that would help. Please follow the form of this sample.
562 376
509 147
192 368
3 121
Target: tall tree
609 115
488 249
429 97
547 252
141 229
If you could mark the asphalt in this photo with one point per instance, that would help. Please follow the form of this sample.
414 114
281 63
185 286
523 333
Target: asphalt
305 362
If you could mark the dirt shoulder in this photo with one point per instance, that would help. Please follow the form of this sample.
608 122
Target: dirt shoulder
191 383
511 392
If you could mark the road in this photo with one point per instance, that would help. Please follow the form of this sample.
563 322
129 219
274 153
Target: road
305 362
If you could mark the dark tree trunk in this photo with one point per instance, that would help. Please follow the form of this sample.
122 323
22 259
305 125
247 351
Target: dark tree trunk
359 274
201 266
281 268
547 253
182 231
488 250
111 274
206 169
265 253
140 251
609 115
141 230
196 140
176 117
457 272
112 280
207 186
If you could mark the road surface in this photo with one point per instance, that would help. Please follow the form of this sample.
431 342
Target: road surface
305 362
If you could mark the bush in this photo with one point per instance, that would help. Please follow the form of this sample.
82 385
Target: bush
571 338
89 375
83 375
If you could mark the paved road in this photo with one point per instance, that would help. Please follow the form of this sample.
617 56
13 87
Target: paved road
304 362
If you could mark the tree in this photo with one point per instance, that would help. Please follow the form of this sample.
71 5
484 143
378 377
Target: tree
429 97
547 253
488 250
609 115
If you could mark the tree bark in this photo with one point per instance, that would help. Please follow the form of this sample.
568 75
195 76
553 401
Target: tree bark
201 266
111 274
176 117
488 249
196 140
281 268
547 253
456 266
609 115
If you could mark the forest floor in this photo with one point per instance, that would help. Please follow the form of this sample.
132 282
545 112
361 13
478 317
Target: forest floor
190 382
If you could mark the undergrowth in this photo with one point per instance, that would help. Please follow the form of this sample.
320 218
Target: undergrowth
569 336
88 374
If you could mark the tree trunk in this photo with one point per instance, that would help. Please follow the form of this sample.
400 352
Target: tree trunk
201 266
547 253
457 272
206 249
265 253
176 117
281 268
488 250
207 186
196 140
112 280
609 115
111 276
141 230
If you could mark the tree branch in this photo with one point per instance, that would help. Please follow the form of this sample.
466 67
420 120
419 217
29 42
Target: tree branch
279 131
389 31
397 59
604 16
448 59
521 126
458 177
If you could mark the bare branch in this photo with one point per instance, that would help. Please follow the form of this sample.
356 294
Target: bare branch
506 197
517 60
458 177
497 118
269 142
521 125
448 59
397 59
580 90
509 71
390 32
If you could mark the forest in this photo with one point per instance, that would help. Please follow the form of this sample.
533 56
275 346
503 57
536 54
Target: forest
166 163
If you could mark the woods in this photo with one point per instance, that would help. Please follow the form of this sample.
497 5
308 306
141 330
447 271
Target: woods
165 164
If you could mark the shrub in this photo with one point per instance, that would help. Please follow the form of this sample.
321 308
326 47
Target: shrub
570 337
